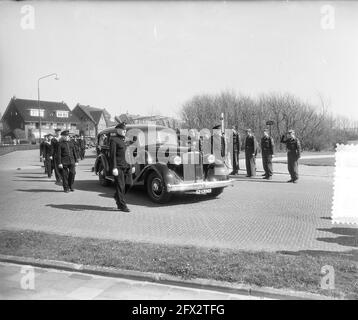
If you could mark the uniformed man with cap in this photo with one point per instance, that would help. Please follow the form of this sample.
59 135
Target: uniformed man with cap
293 146
48 155
218 142
67 161
55 141
250 153
236 144
121 170
267 151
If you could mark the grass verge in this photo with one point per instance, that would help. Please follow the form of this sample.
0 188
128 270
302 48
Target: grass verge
289 270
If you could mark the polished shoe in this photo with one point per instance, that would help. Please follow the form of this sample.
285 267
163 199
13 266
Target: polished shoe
294 181
247 176
290 180
264 174
124 209
72 190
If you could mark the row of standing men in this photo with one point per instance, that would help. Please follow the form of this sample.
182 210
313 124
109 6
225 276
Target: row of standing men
267 145
60 153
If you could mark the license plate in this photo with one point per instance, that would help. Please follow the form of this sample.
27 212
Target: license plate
203 191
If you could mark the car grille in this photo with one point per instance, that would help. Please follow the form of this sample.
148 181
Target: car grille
192 167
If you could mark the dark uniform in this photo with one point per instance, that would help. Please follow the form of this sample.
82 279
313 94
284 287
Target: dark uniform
66 155
267 151
235 152
118 161
293 146
55 142
42 157
218 143
48 156
82 145
250 155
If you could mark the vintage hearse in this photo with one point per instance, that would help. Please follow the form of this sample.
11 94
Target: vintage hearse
161 178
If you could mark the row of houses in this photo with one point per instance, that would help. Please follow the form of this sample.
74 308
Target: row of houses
21 119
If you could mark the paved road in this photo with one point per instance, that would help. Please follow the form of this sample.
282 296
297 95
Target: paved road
253 215
16 283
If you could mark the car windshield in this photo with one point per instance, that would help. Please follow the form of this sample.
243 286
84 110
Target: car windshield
162 136
166 136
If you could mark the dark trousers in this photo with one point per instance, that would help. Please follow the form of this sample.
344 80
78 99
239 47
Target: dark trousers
57 170
49 167
267 164
292 164
68 176
250 164
235 162
82 153
120 186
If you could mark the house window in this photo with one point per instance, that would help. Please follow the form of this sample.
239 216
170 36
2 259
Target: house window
61 114
35 112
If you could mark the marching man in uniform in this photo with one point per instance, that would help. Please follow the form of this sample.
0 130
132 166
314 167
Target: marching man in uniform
55 141
121 170
67 161
293 146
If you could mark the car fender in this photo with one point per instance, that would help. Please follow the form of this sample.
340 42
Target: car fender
160 168
101 158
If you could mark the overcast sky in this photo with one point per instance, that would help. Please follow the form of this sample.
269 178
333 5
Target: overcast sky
151 57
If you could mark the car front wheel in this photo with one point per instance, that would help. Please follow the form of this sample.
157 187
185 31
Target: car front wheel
156 189
101 176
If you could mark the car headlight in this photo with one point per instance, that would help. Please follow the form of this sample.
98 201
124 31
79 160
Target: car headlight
211 158
177 160
149 159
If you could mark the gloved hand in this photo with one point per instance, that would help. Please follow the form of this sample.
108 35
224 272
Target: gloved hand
76 164
115 172
60 166
133 169
50 157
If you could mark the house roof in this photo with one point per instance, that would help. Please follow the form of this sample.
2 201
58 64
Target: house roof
93 114
24 105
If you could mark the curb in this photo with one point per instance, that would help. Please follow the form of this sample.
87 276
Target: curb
165 279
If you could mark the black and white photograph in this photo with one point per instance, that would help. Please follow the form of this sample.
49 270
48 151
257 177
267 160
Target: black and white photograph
181 154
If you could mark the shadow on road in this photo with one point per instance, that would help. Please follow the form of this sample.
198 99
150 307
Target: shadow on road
348 236
38 190
351 254
80 207
137 195
32 177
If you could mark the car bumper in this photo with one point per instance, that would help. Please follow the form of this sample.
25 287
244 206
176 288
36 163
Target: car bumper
199 185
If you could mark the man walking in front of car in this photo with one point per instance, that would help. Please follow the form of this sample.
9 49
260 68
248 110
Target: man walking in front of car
67 161
250 153
267 151
293 146
121 170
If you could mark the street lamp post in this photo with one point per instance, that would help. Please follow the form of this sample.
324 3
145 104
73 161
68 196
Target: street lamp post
38 97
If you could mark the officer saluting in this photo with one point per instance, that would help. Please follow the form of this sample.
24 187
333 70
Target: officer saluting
267 151
293 146
121 170
67 161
